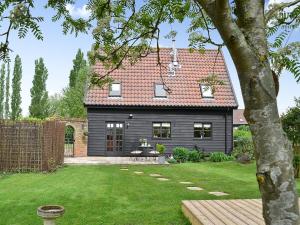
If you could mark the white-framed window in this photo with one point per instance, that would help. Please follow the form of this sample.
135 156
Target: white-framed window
161 130
206 91
115 89
202 130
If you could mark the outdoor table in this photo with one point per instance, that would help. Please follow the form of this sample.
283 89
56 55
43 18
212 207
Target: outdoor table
145 149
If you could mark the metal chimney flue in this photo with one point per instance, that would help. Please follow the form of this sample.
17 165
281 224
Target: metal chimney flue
174 65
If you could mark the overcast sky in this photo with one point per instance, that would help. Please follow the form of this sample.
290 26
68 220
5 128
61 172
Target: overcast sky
59 50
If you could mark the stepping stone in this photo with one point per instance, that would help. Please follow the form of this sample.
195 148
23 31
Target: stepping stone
217 193
138 172
162 179
124 169
194 188
186 182
155 175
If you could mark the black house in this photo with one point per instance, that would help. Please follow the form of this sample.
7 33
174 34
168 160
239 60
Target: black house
170 105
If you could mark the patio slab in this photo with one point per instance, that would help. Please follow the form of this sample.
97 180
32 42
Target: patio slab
101 160
162 179
155 175
185 182
195 188
138 172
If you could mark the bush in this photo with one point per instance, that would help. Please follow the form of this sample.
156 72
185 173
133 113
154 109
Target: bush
220 157
160 148
171 161
194 156
296 164
180 154
243 144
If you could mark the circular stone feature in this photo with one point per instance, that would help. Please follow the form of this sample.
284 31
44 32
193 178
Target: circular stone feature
50 211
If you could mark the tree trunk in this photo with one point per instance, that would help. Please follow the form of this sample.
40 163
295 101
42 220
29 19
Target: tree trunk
246 41
274 155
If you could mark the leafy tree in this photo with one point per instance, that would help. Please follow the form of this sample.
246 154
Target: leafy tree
54 105
16 100
254 36
39 95
2 81
78 63
291 123
72 104
7 92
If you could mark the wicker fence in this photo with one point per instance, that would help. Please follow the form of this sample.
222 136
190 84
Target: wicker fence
31 146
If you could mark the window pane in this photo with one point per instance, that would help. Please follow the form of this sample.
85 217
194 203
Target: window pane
166 125
165 132
197 125
115 89
160 91
156 124
206 91
156 132
207 130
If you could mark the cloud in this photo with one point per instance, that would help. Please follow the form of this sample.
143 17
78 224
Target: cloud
77 12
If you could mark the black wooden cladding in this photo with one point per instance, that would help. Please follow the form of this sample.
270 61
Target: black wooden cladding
140 126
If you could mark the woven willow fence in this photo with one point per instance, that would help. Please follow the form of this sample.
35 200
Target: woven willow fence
31 146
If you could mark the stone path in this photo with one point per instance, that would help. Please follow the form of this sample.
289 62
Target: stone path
195 188
162 179
218 193
138 172
124 169
186 182
155 175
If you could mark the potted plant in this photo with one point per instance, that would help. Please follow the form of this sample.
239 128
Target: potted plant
160 148
143 142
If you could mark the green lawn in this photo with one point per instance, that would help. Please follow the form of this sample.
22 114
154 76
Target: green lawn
94 195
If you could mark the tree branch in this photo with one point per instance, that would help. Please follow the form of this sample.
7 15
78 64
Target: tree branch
277 7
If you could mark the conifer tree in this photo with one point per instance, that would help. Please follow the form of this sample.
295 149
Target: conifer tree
16 100
7 93
2 81
39 95
78 63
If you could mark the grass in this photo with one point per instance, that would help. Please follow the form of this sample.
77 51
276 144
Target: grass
94 195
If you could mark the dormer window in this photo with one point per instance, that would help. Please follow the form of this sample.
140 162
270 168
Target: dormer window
206 91
115 89
160 91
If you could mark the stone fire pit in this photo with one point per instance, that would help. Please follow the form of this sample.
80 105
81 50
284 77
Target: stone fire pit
49 213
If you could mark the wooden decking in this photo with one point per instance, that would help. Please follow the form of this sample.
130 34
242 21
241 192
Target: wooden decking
224 212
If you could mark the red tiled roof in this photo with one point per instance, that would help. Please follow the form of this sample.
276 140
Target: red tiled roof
138 82
238 117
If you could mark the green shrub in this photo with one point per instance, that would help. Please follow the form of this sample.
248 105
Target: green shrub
172 161
180 154
160 148
296 164
220 157
243 144
194 156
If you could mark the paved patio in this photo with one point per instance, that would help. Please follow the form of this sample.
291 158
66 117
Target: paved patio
110 160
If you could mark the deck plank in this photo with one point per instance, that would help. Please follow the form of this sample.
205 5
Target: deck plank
224 212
